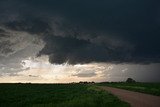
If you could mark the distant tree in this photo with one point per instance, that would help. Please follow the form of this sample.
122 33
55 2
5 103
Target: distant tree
130 80
92 82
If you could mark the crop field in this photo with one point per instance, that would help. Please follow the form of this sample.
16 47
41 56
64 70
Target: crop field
149 88
56 95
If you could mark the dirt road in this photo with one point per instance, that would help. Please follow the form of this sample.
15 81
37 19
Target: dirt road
135 99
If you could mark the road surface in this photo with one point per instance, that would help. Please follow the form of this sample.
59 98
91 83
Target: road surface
135 99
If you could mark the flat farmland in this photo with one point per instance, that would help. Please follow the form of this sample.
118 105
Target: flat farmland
56 95
148 88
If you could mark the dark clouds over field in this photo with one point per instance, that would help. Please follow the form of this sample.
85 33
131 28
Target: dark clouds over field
124 33
86 31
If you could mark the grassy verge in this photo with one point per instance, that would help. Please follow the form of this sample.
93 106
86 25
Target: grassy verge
56 95
149 88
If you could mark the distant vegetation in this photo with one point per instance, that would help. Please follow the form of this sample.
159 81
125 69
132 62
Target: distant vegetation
130 80
56 95
150 88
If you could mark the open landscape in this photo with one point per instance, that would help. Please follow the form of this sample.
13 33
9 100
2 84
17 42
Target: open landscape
149 88
82 94
56 95
79 53
135 99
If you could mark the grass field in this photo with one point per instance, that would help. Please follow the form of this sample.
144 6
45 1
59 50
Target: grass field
56 95
150 88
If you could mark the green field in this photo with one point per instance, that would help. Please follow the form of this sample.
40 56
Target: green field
149 88
56 95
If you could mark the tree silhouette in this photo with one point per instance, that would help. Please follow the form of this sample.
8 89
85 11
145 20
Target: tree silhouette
130 80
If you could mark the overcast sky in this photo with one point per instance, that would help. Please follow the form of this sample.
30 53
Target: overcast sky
79 40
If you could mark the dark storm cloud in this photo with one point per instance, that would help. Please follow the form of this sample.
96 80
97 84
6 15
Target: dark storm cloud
5 45
90 31
29 25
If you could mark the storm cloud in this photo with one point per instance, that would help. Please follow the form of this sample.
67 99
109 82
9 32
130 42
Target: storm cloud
86 31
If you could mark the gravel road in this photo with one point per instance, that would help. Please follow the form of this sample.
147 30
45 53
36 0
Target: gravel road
135 99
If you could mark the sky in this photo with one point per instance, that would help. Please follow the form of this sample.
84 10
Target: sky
61 41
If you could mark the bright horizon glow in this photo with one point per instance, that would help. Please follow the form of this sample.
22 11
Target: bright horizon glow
40 70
